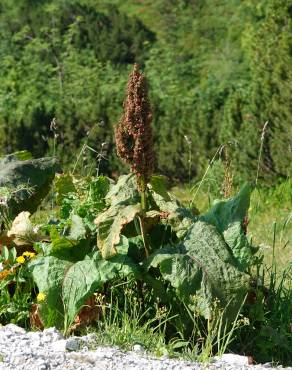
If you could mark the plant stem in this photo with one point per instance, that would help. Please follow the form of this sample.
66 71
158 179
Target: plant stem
143 234
206 172
143 202
143 189
143 213
264 130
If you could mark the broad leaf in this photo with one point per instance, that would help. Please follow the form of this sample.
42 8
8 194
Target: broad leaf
177 216
228 216
48 274
202 269
158 185
85 277
124 191
110 224
59 242
98 189
21 155
68 249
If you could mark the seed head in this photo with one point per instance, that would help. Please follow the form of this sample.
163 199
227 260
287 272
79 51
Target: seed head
134 138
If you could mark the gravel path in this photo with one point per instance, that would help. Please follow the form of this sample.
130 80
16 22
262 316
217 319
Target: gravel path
21 350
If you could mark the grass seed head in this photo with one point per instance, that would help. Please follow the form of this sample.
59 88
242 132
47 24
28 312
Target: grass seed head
134 138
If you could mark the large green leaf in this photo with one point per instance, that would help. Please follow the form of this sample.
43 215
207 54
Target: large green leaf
123 200
203 269
59 242
124 191
48 274
85 277
72 247
124 205
228 216
110 224
158 185
98 189
179 217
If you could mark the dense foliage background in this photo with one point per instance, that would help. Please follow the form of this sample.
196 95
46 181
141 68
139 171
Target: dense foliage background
217 70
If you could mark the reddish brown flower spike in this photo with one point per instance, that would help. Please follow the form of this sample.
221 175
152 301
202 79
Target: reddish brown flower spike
134 138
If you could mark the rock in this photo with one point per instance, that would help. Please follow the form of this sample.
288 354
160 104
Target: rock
73 344
42 365
238 360
32 177
138 348
34 335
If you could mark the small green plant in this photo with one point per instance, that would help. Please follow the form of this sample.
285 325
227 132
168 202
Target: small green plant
16 287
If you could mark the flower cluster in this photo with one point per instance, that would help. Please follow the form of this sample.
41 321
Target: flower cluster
25 256
5 273
9 268
133 133
41 297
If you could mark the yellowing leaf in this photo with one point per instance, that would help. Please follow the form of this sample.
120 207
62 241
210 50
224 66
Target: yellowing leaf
110 224
22 230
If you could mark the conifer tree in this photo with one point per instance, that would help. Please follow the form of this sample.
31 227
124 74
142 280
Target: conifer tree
270 94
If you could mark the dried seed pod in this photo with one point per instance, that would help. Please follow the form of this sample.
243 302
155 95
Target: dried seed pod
134 138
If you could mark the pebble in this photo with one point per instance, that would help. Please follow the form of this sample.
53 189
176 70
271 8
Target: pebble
138 348
48 350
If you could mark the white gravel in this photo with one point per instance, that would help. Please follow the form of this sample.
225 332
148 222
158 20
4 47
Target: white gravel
21 350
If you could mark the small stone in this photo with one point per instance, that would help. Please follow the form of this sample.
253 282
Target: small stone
72 344
230 358
138 348
43 366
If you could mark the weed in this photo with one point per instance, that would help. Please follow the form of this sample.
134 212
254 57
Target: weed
162 277
125 321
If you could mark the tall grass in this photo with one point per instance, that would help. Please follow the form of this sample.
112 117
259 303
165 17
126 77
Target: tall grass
127 320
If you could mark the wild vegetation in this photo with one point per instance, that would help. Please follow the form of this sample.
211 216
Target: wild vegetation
218 70
179 271
129 259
